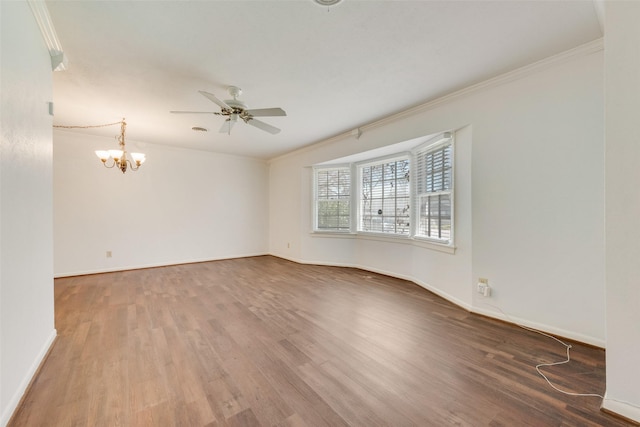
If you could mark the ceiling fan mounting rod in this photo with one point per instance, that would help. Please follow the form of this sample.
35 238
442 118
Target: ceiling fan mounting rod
234 91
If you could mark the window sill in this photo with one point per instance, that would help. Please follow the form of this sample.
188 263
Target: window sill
334 234
382 237
406 240
427 244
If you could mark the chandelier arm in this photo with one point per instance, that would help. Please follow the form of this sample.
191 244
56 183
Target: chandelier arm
109 167
131 165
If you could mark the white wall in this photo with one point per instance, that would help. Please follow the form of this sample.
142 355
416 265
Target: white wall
181 206
622 70
529 197
26 232
538 198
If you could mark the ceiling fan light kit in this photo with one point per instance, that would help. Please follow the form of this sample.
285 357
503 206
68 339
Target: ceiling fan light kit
234 109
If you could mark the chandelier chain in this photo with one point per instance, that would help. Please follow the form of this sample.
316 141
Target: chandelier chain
88 126
118 157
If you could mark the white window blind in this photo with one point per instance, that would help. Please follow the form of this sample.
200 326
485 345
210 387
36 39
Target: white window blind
333 195
434 191
385 197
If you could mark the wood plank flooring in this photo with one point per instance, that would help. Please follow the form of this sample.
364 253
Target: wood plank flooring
266 342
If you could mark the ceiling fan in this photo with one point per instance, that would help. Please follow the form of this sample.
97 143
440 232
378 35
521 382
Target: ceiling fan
234 109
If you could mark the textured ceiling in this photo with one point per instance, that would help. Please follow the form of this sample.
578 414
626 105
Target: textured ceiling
332 70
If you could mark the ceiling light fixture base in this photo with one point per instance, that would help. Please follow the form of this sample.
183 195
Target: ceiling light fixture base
327 3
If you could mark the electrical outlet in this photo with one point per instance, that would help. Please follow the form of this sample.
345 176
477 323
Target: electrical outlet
487 291
484 289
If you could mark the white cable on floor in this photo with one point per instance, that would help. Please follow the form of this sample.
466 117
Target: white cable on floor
568 359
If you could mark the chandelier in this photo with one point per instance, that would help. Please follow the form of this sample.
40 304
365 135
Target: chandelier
119 157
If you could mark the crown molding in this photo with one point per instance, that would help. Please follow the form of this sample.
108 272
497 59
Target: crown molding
519 73
43 19
579 51
598 5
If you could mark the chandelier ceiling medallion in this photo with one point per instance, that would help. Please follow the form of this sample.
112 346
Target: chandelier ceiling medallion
327 2
120 158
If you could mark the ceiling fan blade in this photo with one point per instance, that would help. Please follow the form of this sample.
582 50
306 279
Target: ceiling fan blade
262 125
227 126
213 98
266 112
192 112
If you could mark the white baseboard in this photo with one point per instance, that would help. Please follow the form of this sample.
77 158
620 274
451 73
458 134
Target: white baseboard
444 295
460 303
466 306
13 403
624 409
152 265
558 332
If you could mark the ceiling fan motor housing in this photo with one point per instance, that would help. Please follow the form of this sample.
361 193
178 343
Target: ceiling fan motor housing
236 105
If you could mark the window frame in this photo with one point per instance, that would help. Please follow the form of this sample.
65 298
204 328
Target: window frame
395 157
434 144
316 200
354 168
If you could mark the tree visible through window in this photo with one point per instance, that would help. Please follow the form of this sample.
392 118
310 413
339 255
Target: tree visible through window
384 199
333 195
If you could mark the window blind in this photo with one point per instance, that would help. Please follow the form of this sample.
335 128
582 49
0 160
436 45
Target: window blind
434 186
385 197
333 195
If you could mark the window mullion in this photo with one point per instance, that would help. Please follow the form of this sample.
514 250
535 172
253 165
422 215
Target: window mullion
439 216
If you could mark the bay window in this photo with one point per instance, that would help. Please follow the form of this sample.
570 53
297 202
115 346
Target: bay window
404 195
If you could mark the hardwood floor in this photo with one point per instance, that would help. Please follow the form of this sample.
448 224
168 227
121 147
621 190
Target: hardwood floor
266 342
